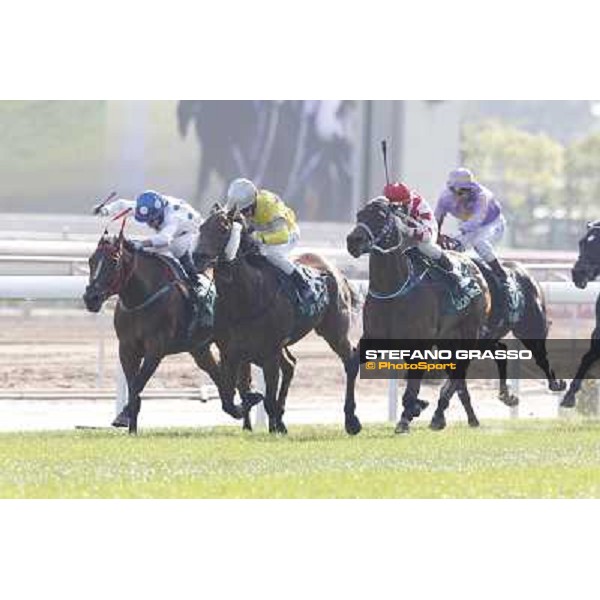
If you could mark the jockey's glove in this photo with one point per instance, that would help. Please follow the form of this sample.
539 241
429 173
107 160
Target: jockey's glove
100 210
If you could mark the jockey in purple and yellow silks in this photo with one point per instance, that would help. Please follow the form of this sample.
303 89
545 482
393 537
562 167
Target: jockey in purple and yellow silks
482 223
274 227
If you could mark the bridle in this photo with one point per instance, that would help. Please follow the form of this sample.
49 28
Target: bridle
390 227
123 272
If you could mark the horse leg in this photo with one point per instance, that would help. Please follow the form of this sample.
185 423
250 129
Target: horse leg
438 421
351 367
271 374
130 360
465 398
149 366
589 358
540 354
335 332
504 395
205 359
288 366
411 404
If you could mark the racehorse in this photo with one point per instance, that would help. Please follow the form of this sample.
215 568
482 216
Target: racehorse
529 324
586 269
257 315
403 304
150 318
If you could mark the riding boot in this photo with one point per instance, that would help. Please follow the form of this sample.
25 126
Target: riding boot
194 282
446 264
302 286
504 288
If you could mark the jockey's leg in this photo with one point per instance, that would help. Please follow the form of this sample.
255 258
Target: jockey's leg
183 252
483 245
277 255
433 251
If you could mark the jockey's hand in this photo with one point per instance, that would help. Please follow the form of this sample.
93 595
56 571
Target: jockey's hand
100 210
137 245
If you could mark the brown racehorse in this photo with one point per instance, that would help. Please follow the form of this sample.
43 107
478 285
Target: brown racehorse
531 326
400 306
150 319
256 319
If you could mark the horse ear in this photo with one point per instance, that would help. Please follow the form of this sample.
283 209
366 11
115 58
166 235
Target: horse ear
216 208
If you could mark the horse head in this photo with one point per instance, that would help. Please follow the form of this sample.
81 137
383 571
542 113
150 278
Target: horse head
109 269
379 228
217 240
587 266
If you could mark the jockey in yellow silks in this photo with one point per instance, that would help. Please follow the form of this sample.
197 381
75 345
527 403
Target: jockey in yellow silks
274 227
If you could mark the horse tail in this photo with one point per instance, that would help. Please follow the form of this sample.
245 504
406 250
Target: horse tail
533 294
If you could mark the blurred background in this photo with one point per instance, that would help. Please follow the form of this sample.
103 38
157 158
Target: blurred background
540 157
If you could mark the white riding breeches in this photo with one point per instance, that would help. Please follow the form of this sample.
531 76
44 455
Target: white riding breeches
430 249
484 239
277 254
180 245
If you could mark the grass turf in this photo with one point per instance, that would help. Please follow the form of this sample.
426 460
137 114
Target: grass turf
526 459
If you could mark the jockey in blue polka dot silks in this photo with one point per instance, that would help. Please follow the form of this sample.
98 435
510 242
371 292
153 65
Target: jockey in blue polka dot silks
175 223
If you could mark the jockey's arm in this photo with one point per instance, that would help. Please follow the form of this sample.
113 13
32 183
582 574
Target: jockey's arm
440 213
477 217
162 239
114 208
423 226
276 232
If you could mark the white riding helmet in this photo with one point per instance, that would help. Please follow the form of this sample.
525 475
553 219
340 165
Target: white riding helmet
242 193
461 178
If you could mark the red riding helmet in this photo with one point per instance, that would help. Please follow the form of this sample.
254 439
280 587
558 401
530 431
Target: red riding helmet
397 192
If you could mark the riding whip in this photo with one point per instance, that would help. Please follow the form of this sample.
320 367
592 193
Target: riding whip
385 163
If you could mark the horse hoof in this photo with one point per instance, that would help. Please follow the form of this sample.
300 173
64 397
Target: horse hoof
353 426
558 385
420 406
121 420
252 399
402 427
437 424
474 422
281 428
568 401
509 399
234 411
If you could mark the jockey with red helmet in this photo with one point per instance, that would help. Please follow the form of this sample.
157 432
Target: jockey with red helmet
422 226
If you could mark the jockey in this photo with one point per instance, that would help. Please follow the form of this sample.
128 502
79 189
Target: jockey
274 225
422 226
481 215
176 225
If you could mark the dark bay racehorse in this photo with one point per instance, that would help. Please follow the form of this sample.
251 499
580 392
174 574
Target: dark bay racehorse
150 319
586 269
530 326
402 306
256 319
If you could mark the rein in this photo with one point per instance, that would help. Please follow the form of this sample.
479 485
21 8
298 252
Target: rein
405 288
391 226
150 300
